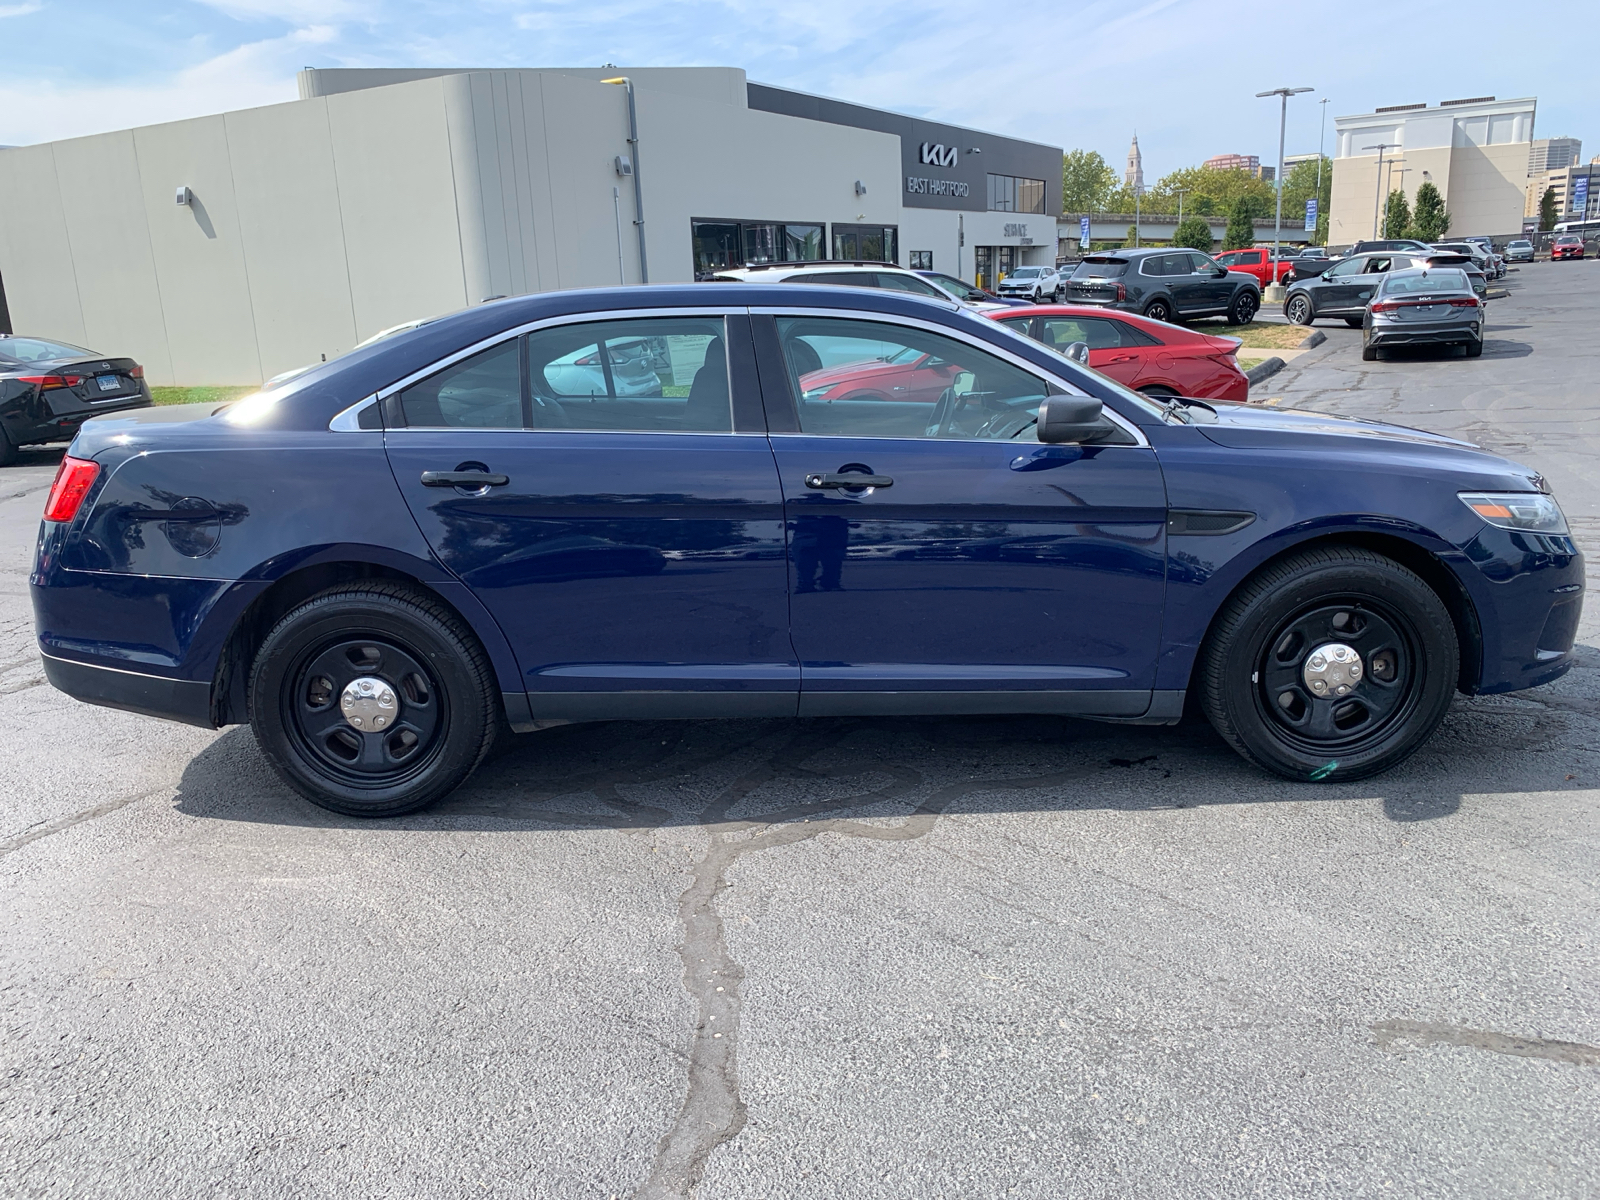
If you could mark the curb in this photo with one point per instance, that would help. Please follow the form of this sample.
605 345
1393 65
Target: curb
1265 369
1316 339
1496 294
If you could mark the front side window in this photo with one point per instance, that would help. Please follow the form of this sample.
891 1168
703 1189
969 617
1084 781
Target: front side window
855 378
481 392
1201 264
1350 266
666 374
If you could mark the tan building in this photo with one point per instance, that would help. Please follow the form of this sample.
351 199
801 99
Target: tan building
1561 181
1476 152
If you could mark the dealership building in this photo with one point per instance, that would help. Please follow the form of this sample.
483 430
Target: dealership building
1475 151
226 249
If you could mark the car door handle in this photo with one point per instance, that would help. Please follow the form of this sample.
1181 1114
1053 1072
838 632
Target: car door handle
464 479
1125 358
848 480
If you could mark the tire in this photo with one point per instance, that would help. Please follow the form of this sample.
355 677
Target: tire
447 700
1475 348
1355 322
1298 309
1369 354
1159 310
8 449
1263 644
1243 309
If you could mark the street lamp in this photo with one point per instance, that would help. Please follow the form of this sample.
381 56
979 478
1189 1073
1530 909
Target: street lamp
1181 193
638 188
1377 203
1283 95
1322 137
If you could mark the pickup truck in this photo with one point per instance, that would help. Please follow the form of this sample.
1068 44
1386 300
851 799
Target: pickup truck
1258 261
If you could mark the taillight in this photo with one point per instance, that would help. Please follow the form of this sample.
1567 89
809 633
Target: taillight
72 483
1122 291
1465 302
1385 306
136 372
45 382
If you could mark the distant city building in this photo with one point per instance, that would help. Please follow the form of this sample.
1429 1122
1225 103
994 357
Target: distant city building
1291 161
1134 176
1234 162
1267 173
1561 181
1475 151
1551 154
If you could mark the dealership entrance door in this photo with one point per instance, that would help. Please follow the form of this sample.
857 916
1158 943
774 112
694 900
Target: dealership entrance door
993 263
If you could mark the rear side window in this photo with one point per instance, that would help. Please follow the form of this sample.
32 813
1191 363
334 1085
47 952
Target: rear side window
669 374
481 392
1101 268
907 283
1100 333
842 278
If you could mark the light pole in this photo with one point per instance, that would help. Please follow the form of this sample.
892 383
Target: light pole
1322 137
1377 203
1283 95
638 188
1181 193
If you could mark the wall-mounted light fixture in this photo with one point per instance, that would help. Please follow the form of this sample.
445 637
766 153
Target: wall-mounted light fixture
185 197
624 165
861 188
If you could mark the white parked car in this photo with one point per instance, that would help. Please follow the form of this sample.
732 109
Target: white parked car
844 274
633 369
1034 283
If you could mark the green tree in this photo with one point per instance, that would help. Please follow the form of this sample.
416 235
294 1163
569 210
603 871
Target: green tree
1240 231
1430 221
1087 181
1300 186
1202 185
1133 238
1547 210
1194 233
1396 216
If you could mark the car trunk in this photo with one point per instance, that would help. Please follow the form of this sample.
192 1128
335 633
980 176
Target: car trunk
92 384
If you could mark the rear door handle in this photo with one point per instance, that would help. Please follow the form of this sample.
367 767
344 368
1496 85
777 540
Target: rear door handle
464 479
848 480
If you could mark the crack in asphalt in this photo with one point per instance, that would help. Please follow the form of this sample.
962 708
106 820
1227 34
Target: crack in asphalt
713 1112
1434 1033
47 828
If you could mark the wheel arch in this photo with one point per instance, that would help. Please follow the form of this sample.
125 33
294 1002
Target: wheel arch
230 683
1417 558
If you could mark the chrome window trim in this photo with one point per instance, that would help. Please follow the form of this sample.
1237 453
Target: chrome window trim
722 312
959 335
349 421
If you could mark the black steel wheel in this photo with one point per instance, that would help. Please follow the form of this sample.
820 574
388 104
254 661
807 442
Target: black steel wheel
1158 310
1298 310
372 700
1336 663
1243 309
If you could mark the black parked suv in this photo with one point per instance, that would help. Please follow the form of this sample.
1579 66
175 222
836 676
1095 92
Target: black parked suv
1165 285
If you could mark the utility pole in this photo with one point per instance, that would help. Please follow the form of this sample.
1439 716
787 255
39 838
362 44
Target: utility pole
1181 193
1377 204
1283 120
638 187
1321 139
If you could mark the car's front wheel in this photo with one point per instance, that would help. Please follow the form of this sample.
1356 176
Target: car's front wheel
1334 663
373 700
1243 309
1299 310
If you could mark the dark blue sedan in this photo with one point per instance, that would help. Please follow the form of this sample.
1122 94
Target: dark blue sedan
736 501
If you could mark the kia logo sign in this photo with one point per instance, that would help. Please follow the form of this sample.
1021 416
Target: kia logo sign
937 155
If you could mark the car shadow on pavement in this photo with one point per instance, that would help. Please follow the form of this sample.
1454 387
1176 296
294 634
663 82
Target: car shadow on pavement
1492 348
635 775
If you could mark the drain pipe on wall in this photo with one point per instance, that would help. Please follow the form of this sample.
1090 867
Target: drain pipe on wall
638 190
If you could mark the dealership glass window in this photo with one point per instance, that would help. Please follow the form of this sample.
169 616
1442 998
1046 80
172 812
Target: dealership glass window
719 245
1009 193
921 260
866 243
662 374
802 243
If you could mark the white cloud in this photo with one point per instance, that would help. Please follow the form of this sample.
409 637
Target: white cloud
18 10
254 74
294 11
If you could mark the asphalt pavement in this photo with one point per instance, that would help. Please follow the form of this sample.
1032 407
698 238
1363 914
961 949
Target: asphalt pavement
973 958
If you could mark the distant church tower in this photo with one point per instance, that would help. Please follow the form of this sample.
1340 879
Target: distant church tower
1134 177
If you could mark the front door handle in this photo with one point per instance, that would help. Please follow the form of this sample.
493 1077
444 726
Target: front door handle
848 480
464 479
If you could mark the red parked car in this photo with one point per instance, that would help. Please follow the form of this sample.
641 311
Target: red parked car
1258 261
906 375
1150 356
1568 245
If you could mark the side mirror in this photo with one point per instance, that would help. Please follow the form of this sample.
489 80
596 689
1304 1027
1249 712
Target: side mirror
1327 274
1078 352
1069 419
1218 272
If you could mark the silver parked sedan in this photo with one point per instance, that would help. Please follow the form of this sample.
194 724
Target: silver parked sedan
1423 307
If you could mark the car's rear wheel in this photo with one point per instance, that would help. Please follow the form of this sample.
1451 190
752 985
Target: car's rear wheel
1158 310
1243 309
1355 322
1335 663
1475 348
373 700
1299 310
1369 354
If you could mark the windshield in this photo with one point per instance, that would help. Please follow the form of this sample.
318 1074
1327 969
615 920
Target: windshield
21 349
1101 268
1519 245
1406 283
1024 273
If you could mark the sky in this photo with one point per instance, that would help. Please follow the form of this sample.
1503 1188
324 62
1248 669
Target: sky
1075 73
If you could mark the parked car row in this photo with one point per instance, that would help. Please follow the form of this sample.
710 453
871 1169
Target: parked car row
1347 287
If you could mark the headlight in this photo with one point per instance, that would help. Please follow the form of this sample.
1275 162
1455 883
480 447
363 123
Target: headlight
816 393
1529 511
